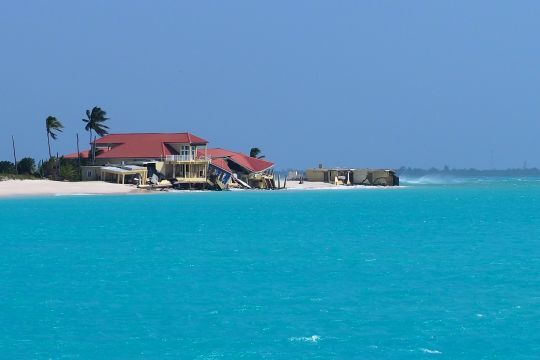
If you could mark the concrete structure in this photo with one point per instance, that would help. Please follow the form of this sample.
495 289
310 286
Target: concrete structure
338 176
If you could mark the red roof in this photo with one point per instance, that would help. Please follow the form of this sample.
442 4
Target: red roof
222 164
186 138
144 145
252 164
84 155
214 153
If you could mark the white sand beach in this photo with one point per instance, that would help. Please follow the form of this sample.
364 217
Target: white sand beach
47 187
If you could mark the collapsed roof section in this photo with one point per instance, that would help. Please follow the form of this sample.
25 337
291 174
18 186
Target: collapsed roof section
221 158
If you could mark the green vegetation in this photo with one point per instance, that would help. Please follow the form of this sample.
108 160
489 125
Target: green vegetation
7 167
61 169
96 122
256 153
53 125
56 168
4 177
26 166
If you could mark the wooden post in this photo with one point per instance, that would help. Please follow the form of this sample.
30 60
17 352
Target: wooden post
14 154
78 151
285 183
58 165
278 182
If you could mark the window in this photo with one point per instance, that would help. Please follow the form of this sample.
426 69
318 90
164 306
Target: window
185 150
201 173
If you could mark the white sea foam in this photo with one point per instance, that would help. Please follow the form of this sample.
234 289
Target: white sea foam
310 339
429 351
432 180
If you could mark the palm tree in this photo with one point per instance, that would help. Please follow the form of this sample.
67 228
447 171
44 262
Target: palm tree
254 153
52 124
96 122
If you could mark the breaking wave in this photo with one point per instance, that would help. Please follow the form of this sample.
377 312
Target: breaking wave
429 351
432 180
311 339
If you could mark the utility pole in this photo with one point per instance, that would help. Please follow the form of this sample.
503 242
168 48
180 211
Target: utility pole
14 154
78 151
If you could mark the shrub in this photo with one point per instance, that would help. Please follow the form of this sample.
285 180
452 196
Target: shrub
27 166
7 167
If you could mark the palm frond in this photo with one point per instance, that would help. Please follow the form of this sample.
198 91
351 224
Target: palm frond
254 152
96 121
53 124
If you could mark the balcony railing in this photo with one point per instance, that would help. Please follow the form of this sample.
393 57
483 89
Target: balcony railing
185 158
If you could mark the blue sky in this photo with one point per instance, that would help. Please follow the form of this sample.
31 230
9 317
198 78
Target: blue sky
345 83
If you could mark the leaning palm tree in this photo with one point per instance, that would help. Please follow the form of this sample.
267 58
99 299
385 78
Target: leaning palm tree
255 153
96 122
53 125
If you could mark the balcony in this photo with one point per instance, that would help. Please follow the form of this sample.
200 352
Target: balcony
186 159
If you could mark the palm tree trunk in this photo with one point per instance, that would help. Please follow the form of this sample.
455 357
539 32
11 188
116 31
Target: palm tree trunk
91 152
14 154
94 151
49 143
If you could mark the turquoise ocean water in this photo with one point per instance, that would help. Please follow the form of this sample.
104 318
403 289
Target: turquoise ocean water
443 271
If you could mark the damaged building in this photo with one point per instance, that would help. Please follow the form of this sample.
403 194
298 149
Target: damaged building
179 160
343 176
